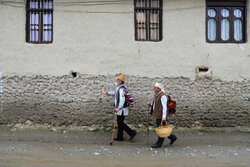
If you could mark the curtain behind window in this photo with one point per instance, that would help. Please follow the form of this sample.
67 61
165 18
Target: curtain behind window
237 25
211 25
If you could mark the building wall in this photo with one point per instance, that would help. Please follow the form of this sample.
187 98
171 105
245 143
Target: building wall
99 45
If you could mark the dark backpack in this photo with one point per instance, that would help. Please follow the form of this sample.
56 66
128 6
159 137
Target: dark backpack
129 100
171 105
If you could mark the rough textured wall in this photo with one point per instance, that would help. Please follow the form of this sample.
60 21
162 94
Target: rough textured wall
76 101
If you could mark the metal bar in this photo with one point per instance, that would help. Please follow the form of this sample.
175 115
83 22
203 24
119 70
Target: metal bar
30 14
158 25
52 24
48 21
33 22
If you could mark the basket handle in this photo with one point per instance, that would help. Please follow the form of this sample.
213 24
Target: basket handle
163 123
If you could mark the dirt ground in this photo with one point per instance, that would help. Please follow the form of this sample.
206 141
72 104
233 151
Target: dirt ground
67 147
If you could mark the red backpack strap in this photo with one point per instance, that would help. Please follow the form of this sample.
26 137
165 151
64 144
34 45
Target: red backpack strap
169 98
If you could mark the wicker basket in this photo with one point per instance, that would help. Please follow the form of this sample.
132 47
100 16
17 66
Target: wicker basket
164 131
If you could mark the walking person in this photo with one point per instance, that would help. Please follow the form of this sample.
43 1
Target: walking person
159 111
121 108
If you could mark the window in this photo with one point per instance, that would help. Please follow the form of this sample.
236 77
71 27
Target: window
148 20
39 21
226 21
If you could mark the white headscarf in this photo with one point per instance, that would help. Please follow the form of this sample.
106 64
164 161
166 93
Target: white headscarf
159 85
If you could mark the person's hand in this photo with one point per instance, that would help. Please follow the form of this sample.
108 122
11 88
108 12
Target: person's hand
149 104
116 110
103 91
163 120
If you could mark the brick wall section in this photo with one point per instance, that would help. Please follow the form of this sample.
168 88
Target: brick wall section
76 101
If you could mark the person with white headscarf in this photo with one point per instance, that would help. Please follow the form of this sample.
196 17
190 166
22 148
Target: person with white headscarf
159 111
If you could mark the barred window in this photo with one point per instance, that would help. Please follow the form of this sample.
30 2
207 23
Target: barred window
148 20
39 21
226 21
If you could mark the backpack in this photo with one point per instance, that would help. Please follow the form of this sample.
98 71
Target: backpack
129 101
171 105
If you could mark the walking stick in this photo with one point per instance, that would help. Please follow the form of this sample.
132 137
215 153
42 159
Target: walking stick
111 143
147 135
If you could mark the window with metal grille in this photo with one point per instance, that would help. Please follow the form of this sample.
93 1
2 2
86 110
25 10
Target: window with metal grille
148 20
39 21
226 21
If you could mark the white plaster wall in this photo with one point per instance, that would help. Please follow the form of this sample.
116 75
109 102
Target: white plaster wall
103 43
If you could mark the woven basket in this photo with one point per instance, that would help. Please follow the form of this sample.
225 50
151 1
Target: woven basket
164 131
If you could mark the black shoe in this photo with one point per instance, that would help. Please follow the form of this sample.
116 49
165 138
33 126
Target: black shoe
173 140
117 139
132 136
155 146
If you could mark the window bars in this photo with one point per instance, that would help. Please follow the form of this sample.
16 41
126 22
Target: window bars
39 21
148 20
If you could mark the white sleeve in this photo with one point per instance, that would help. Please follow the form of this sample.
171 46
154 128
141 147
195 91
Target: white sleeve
122 99
164 102
110 93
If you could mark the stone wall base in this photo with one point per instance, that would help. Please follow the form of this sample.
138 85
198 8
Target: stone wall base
65 100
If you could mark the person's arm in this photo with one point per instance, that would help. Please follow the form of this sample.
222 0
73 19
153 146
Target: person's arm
110 93
164 102
104 91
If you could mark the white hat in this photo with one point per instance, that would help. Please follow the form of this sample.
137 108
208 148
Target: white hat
159 85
